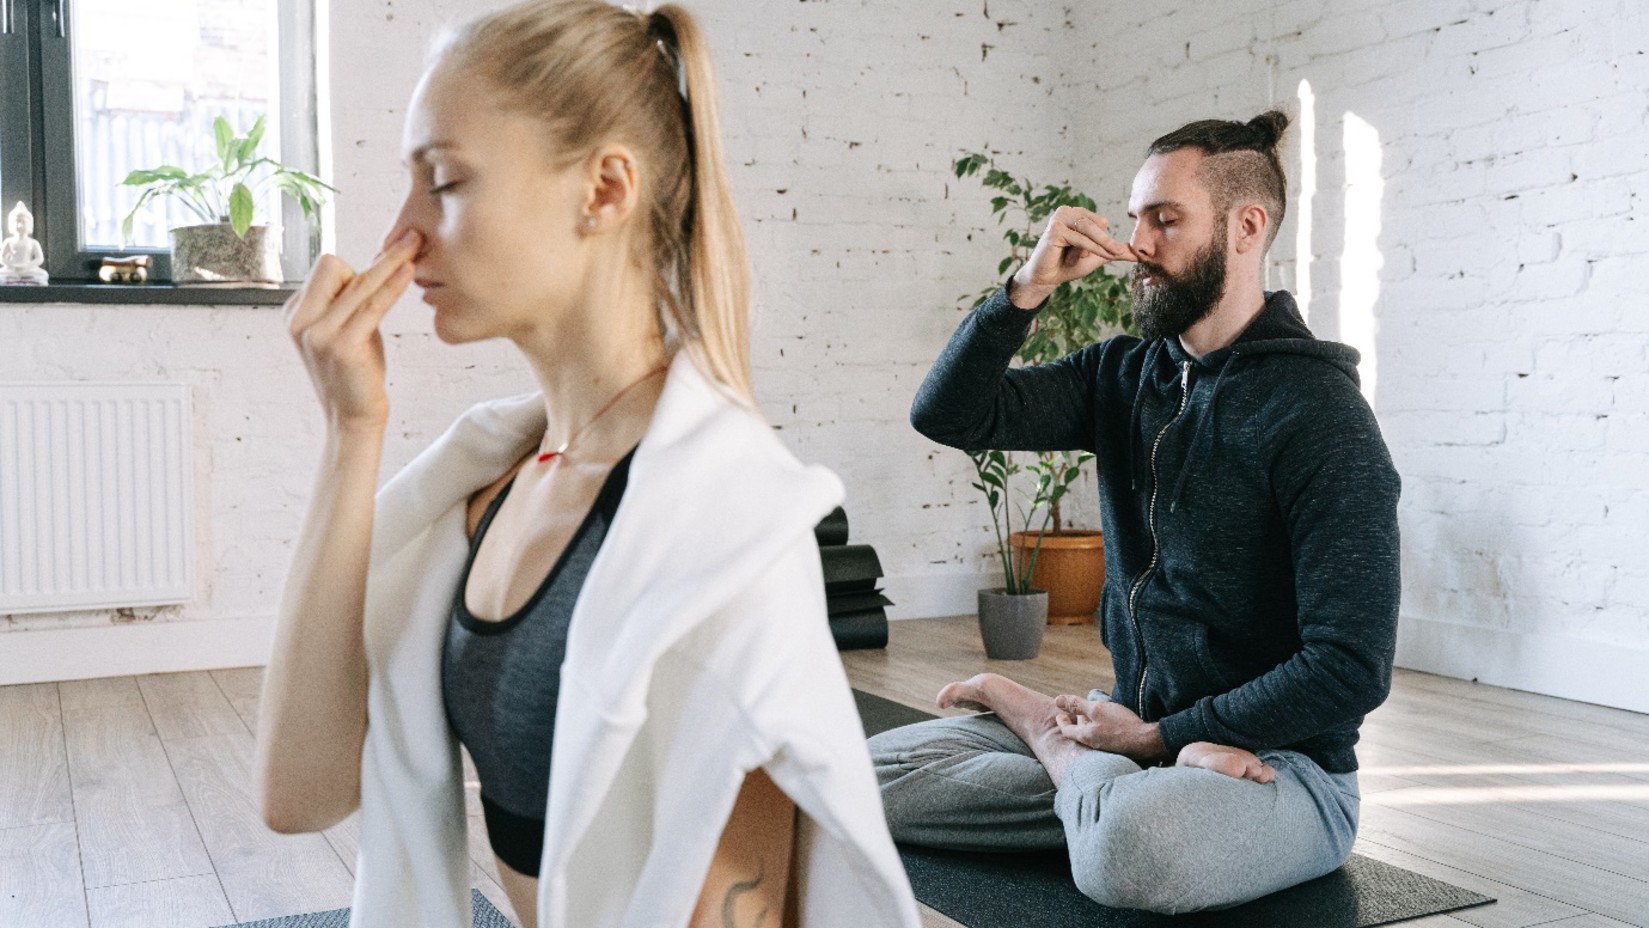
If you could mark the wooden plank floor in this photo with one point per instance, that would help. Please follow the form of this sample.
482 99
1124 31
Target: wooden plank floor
126 803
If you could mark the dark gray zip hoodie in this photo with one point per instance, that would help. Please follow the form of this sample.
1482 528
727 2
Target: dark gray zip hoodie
1249 507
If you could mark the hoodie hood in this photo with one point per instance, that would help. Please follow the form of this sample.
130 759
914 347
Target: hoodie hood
1278 329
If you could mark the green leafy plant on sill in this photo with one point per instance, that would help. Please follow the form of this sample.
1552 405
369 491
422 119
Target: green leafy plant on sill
995 468
1078 313
226 192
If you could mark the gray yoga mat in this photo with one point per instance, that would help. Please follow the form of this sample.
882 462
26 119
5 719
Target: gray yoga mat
1035 890
486 916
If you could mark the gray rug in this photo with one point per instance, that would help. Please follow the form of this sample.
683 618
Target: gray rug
1035 890
486 916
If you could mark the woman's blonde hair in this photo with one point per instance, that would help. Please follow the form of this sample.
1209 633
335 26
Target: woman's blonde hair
594 73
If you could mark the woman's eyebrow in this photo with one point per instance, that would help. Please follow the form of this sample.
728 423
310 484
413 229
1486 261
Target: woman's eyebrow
421 153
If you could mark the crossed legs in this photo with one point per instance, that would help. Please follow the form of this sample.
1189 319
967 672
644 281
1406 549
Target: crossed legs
1198 835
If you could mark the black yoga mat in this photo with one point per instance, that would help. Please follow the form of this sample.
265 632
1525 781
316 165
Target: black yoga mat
486 916
1035 890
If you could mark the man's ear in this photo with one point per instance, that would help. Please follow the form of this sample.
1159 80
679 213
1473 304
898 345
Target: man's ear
1250 228
613 186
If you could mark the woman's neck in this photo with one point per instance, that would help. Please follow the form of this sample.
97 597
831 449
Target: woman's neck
606 343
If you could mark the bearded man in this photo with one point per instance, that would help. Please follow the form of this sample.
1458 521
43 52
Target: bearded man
1250 603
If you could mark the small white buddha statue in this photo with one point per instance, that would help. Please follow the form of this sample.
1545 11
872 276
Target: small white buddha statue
20 255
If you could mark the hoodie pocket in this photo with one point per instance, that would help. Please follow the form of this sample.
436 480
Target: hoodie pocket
1219 676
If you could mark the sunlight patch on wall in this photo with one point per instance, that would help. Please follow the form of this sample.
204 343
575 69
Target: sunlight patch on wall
1361 261
1308 191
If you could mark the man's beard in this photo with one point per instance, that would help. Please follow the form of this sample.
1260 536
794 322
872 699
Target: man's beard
1172 304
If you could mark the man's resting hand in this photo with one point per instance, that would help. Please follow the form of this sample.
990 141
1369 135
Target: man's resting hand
1110 726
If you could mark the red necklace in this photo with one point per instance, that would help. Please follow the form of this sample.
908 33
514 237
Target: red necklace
550 455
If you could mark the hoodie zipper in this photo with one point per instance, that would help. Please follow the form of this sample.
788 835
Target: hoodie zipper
1151 523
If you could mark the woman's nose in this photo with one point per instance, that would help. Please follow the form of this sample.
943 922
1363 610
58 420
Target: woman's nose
406 221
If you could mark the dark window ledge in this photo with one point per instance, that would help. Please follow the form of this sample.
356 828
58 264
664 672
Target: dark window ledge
148 293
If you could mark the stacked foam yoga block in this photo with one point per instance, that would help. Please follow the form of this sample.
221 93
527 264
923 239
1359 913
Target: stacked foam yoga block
858 610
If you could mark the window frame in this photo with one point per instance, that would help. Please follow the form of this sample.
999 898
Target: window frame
39 166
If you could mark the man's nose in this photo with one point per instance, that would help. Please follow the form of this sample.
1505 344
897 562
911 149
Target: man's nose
1140 243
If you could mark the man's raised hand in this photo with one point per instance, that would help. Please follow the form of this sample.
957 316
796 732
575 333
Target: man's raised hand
1074 244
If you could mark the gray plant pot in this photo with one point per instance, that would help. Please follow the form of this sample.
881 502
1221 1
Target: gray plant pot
213 255
1011 625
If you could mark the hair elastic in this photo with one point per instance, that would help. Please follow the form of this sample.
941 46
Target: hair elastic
664 36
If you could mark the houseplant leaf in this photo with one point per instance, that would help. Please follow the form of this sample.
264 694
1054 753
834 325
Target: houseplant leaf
224 136
240 209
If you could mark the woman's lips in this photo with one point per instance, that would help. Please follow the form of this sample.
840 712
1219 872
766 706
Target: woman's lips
429 287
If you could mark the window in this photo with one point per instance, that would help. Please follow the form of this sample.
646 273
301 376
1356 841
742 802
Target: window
92 89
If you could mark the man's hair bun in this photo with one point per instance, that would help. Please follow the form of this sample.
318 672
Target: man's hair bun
1269 127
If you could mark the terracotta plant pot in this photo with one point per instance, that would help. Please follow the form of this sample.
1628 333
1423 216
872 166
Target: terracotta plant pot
213 255
1071 568
1012 625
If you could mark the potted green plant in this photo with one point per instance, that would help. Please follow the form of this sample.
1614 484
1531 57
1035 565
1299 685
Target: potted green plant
1069 562
1012 617
226 248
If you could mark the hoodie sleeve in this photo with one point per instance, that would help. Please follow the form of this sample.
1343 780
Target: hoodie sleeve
1337 491
971 399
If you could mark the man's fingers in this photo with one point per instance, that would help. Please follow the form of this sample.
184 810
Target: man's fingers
1090 232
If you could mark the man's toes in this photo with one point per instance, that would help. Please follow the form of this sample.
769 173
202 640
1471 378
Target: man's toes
962 694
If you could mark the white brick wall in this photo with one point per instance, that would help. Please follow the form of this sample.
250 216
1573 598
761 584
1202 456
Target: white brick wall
841 121
1510 337
1511 334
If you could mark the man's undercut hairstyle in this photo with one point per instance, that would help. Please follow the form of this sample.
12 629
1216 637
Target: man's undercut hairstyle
1242 163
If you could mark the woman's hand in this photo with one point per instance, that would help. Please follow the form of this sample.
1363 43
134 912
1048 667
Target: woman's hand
334 321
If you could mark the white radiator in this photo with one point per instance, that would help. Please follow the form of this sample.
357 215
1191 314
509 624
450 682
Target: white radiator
95 496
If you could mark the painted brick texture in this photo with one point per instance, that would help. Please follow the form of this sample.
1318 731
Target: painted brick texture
1475 226
1510 250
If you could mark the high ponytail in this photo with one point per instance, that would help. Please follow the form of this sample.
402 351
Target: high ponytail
713 269
592 73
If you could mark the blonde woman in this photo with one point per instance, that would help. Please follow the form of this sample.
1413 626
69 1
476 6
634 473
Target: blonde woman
607 591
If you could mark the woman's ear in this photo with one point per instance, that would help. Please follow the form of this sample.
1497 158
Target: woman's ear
614 188
1252 223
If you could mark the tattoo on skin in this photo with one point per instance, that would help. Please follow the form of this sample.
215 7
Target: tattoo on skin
732 898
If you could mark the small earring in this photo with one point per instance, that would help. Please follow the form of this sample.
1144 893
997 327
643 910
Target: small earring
588 225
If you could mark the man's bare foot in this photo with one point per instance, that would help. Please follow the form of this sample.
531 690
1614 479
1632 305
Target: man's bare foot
1028 714
965 694
1223 758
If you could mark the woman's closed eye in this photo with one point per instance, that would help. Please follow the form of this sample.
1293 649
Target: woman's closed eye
439 189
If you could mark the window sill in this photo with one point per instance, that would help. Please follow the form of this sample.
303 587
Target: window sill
162 293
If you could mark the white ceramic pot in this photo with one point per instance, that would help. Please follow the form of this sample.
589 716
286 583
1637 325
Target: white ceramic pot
214 256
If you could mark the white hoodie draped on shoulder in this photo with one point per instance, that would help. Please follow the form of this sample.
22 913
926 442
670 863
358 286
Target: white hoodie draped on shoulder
698 650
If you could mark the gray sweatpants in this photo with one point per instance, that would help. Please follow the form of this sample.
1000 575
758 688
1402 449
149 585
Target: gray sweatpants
1166 839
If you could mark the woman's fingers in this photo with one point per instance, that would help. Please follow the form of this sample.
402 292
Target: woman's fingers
397 258
326 280
370 314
